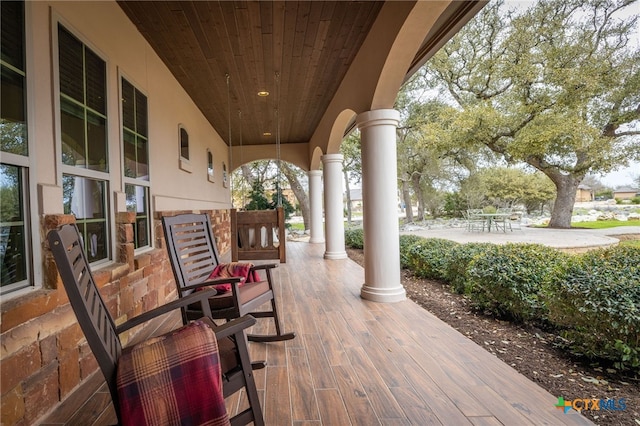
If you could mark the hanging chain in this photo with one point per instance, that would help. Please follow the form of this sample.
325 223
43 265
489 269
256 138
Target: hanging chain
277 77
230 142
242 182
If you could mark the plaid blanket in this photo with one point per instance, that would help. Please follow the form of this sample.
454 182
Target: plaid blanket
234 269
173 379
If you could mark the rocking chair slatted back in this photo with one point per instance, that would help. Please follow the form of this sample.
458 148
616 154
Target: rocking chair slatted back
195 251
95 320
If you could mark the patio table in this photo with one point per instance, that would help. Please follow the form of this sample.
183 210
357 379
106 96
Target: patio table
492 218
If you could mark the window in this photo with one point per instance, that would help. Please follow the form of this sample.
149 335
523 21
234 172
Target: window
184 143
210 171
136 160
83 128
15 249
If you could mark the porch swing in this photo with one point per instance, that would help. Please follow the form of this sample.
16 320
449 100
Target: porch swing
258 234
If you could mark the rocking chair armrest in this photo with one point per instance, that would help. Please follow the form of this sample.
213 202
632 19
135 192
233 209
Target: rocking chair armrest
228 280
234 326
264 266
200 296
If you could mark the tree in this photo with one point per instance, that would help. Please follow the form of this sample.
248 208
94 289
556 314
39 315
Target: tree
294 176
556 86
351 166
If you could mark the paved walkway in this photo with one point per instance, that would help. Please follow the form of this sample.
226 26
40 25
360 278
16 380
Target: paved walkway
568 239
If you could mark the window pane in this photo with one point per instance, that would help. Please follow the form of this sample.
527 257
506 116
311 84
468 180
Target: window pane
13 231
184 144
138 202
97 142
72 129
71 68
95 240
12 14
141 114
128 106
85 199
129 154
143 158
13 124
95 69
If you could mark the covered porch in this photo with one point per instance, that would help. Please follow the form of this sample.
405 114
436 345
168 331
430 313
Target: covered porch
360 362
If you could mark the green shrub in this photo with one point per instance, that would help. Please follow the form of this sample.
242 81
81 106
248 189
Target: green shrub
507 280
458 263
595 300
406 242
428 258
354 238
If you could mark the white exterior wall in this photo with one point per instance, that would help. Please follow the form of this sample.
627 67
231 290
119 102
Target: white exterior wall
105 28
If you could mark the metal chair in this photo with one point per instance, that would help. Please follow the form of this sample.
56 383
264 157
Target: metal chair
103 337
194 256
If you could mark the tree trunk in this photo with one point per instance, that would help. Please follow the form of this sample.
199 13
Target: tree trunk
406 198
348 192
298 191
566 187
415 184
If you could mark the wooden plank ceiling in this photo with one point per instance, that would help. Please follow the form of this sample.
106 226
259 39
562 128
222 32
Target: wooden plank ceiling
298 51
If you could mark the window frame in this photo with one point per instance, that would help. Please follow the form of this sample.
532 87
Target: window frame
63 170
211 169
28 164
136 182
184 162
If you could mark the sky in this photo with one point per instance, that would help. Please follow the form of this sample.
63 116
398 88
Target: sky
622 177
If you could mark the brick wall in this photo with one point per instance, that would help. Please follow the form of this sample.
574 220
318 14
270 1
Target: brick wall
43 353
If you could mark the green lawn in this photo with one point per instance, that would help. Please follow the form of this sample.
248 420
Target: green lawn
632 243
603 224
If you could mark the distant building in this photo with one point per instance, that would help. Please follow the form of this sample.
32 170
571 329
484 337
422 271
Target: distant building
355 195
626 193
584 193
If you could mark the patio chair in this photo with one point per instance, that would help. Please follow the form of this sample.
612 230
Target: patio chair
180 377
194 256
473 221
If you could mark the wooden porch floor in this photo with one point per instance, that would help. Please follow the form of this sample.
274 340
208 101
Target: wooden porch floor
365 363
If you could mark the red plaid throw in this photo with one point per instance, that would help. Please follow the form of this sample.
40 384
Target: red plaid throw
173 379
234 269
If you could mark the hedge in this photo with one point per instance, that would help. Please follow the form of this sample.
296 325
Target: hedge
428 258
507 280
458 261
594 299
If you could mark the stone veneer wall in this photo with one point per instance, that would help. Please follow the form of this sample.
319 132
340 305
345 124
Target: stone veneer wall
43 353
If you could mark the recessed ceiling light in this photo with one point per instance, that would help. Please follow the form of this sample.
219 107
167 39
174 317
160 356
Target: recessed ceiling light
263 93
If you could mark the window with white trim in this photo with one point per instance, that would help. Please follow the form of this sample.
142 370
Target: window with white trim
84 142
136 160
15 235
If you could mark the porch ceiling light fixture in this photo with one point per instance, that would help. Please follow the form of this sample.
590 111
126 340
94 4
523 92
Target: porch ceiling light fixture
266 134
263 93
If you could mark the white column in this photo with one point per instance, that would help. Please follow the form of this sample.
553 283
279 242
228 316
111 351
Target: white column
315 205
333 207
380 213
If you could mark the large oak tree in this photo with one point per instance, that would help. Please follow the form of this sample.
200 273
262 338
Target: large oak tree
556 86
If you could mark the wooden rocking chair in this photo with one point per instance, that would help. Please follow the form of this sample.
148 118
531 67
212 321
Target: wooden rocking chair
176 397
194 256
